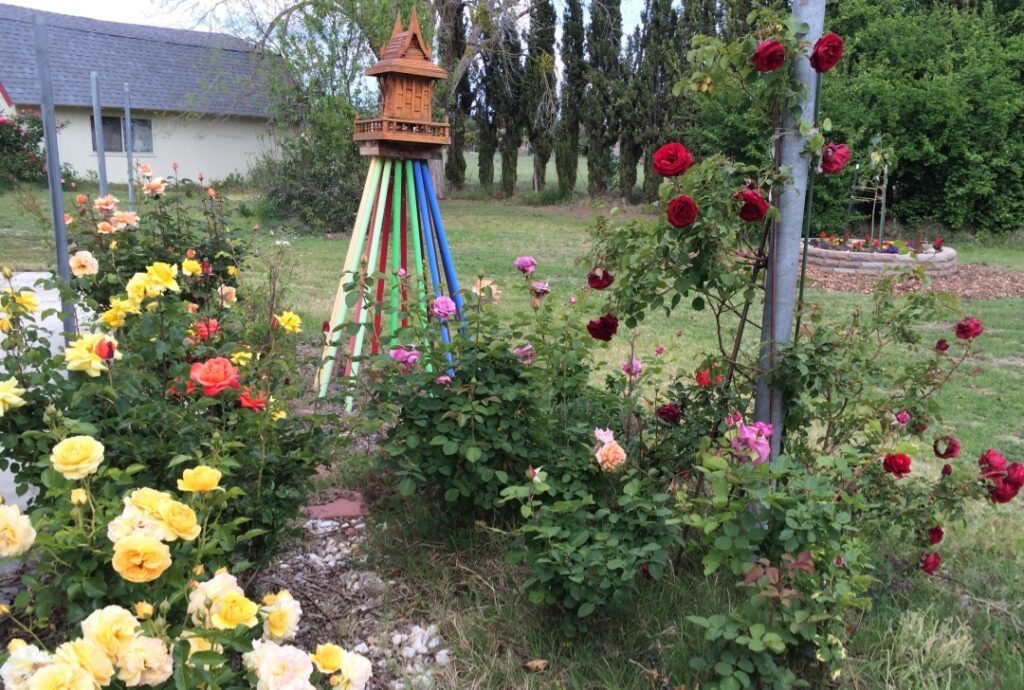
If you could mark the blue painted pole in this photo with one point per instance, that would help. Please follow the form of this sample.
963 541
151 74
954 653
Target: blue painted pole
428 237
129 145
97 129
442 240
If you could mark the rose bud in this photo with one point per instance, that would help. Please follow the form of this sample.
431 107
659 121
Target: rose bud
930 562
935 535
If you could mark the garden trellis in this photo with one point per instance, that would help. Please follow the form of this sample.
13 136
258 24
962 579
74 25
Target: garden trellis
399 219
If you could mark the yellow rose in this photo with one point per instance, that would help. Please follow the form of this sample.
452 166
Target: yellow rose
289 321
61 676
79 497
232 270
24 301
16 532
231 610
180 521
148 500
278 415
241 358
199 479
143 610
162 276
87 353
113 245
10 395
5 323
144 661
119 309
15 644
110 628
355 671
138 288
281 615
76 457
327 658
87 655
199 644
191 267
140 558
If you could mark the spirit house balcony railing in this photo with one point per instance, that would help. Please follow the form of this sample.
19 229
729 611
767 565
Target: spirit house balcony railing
410 131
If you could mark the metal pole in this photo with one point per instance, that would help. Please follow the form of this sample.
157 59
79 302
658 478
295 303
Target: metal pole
60 233
885 192
784 252
97 128
129 145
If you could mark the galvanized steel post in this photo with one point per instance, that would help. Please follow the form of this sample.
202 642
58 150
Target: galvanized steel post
97 129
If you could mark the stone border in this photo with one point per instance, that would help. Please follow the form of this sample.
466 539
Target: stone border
936 264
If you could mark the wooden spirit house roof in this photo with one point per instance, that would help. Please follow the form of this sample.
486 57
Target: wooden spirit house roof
404 128
406 52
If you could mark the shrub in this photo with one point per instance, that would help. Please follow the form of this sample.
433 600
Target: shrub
21 143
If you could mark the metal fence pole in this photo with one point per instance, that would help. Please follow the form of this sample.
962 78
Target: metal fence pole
784 253
129 144
885 192
97 128
60 236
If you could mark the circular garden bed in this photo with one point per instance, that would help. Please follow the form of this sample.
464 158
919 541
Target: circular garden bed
872 263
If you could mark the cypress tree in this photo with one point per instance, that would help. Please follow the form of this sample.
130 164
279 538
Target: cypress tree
567 147
507 82
601 117
484 114
634 113
457 98
661 67
539 87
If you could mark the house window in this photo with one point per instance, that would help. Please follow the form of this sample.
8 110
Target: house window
113 134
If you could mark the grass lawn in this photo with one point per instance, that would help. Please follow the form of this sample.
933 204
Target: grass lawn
963 631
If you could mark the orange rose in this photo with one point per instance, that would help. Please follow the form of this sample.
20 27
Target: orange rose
611 456
105 228
215 375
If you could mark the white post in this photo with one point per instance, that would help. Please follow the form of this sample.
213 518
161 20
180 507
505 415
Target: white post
784 247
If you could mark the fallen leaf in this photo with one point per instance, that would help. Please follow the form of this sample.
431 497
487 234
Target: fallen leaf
536 665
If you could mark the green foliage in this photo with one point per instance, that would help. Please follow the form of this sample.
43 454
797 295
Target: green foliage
573 87
456 100
943 86
509 118
539 88
21 148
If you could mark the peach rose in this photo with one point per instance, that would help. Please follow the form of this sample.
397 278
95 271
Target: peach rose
611 456
215 375
83 263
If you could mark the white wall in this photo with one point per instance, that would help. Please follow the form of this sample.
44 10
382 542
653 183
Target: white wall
214 146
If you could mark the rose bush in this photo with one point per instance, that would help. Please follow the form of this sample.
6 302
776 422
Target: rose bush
169 388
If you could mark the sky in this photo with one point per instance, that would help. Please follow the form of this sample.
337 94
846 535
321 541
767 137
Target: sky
150 12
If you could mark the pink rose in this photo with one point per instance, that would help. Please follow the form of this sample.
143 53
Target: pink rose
525 264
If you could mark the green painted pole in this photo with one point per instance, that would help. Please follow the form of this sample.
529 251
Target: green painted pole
372 263
396 250
340 310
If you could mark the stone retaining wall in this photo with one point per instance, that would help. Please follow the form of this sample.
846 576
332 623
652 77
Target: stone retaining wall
936 264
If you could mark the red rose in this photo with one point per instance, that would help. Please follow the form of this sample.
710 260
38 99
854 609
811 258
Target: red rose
682 211
947 470
827 52
937 244
105 349
206 328
1003 492
951 450
175 388
1015 475
992 463
326 327
839 562
603 328
669 412
834 157
769 56
599 279
703 378
935 535
897 464
256 403
672 160
942 345
930 562
969 328
754 205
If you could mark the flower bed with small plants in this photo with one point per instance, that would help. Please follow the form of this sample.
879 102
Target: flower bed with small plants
844 255
168 467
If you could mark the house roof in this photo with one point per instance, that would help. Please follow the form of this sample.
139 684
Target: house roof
166 69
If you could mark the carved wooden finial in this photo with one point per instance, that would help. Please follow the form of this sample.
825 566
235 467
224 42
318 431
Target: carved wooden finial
397 29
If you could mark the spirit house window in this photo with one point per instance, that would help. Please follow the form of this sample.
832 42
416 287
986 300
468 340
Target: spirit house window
114 134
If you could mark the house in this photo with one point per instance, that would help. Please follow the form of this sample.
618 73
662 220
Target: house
195 96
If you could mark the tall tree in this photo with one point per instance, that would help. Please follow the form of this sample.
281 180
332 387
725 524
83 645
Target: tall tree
507 67
486 120
456 98
539 101
634 115
601 117
661 66
574 82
